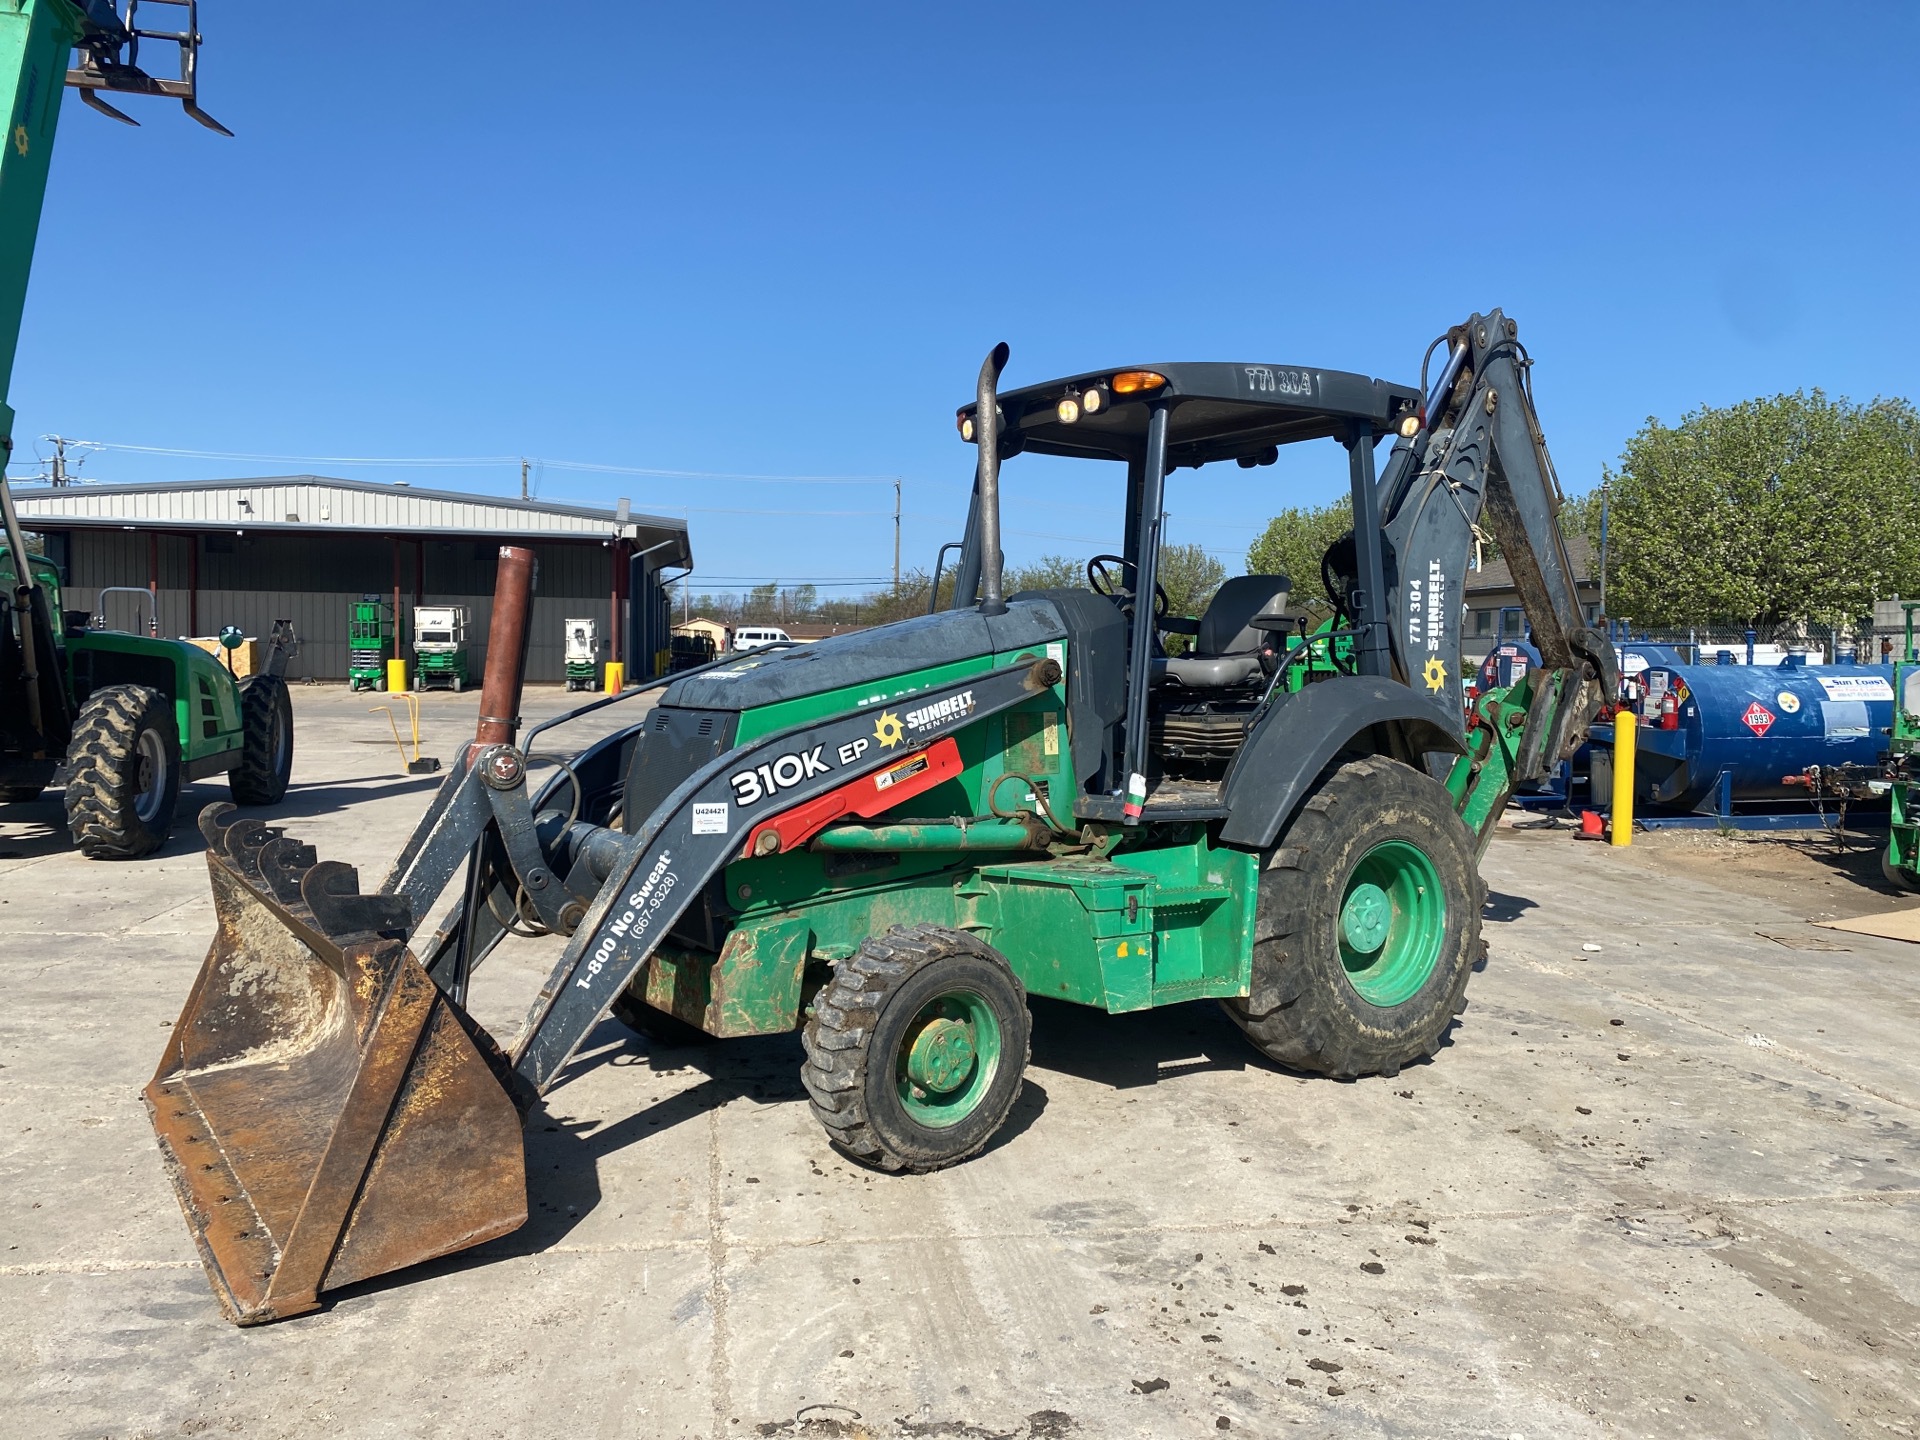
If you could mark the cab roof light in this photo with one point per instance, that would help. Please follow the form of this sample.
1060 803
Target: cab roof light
1135 382
963 422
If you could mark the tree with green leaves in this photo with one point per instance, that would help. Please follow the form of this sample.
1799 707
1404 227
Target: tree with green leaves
1049 572
1189 575
1771 511
1293 543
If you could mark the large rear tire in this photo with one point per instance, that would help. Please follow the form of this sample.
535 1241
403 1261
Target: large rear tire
123 773
916 1049
1368 926
266 745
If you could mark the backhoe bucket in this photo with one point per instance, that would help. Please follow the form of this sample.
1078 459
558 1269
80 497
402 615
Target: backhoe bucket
326 1112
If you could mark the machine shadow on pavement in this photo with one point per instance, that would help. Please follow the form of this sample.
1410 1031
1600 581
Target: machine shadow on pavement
302 802
1502 908
564 1154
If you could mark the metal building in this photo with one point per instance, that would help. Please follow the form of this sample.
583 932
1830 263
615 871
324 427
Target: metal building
302 547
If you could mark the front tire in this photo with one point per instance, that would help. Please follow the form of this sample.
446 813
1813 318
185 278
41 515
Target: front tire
123 773
1368 926
1900 879
266 744
916 1049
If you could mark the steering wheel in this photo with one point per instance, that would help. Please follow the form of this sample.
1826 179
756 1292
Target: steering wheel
1104 574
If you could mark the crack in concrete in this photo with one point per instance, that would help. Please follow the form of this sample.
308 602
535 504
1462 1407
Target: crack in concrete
717 1242
95 1267
719 1379
1785 1052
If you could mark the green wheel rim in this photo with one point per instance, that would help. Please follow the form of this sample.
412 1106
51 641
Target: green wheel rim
1393 921
947 1059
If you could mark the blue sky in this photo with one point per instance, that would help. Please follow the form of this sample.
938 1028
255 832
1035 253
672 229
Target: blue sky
776 240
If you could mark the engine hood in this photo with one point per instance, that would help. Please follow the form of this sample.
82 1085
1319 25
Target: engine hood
768 677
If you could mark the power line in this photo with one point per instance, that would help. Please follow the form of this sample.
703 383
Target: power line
479 461
424 461
593 469
795 580
755 510
706 586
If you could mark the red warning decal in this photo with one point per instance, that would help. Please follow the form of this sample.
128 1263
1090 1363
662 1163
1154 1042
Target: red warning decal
1758 718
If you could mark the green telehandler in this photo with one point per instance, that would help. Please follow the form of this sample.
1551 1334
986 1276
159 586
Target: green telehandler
889 840
125 718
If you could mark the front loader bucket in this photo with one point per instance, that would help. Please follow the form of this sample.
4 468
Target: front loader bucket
326 1112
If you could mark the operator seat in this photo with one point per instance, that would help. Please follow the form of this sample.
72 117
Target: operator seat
1226 652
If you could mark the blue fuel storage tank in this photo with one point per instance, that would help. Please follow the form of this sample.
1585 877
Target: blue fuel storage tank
1506 663
1757 724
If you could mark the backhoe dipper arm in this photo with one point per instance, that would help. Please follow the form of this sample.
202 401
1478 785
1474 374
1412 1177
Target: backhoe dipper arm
1480 457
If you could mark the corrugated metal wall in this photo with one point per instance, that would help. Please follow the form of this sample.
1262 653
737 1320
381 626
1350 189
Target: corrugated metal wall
251 581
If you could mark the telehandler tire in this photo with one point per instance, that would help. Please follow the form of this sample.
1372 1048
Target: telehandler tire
266 744
1904 881
123 773
916 1048
1368 925
667 1031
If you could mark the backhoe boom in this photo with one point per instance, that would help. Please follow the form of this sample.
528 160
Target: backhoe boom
1480 458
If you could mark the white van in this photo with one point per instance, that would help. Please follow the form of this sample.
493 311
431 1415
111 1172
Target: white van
754 637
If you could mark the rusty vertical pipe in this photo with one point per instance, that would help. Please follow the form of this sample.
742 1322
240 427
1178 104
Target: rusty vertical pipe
507 636
153 581
613 603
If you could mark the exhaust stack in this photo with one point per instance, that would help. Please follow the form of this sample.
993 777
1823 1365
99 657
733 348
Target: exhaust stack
986 434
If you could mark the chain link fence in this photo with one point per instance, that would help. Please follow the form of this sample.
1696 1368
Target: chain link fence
1868 639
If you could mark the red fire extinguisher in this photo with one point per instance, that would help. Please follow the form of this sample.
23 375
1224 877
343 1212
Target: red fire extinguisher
1669 711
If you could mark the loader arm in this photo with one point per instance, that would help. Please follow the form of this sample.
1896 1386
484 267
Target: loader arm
1479 458
327 1108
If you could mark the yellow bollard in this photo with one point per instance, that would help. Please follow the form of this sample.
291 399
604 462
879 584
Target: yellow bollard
616 677
397 677
1624 735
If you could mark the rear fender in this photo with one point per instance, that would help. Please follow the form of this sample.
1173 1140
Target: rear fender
1301 734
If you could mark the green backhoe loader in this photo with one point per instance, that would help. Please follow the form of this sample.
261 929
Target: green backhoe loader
889 840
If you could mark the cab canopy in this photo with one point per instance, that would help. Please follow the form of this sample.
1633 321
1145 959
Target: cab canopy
1216 411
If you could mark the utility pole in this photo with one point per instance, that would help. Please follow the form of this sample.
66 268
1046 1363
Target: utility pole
896 532
523 479
60 476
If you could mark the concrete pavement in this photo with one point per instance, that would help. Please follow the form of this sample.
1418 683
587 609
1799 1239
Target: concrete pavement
1671 1187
